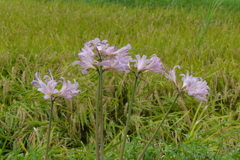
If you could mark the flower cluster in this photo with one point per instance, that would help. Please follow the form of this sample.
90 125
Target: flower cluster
194 86
47 87
100 56
98 53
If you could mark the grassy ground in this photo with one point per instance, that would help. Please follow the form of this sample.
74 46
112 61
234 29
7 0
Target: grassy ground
229 4
38 35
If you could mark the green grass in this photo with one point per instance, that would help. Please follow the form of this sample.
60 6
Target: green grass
38 35
229 4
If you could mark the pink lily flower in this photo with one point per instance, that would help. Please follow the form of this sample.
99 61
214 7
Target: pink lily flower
153 64
68 89
47 88
122 51
120 63
99 53
86 61
195 87
172 74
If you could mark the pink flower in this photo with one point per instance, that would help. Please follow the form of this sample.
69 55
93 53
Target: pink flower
96 44
98 53
123 51
105 49
110 50
153 64
141 62
47 88
195 87
86 61
68 89
172 74
120 63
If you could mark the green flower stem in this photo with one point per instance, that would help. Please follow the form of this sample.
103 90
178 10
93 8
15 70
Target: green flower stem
49 130
156 131
101 114
99 118
128 118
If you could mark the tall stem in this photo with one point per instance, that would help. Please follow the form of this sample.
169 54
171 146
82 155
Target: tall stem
156 131
128 118
101 114
99 119
49 130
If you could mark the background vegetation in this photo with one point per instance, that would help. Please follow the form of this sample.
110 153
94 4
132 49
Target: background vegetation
41 35
230 4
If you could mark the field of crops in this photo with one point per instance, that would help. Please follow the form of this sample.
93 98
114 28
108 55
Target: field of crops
202 37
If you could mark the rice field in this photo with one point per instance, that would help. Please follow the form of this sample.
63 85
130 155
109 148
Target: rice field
202 37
